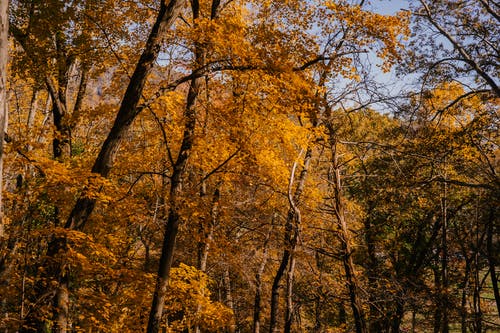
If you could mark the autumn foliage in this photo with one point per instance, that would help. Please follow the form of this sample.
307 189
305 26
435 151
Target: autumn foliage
238 166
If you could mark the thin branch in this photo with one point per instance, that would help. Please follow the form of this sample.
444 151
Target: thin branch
490 10
466 56
461 183
217 168
460 98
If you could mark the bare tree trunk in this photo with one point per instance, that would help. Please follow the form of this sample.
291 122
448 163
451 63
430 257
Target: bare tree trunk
289 295
229 297
62 304
375 322
398 317
273 323
82 87
319 290
33 107
291 235
174 217
61 141
207 235
258 282
350 272
478 312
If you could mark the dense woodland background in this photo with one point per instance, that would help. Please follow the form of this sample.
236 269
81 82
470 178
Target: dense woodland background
304 189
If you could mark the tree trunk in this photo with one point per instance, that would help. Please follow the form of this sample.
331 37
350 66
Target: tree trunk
463 303
493 255
273 323
175 203
207 232
437 301
257 308
375 322
291 235
60 142
289 295
444 261
398 316
207 235
229 297
350 272
478 312
174 217
4 52
33 108
62 305
318 306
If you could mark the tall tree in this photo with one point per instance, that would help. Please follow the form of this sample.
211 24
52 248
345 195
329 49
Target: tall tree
179 172
4 49
128 110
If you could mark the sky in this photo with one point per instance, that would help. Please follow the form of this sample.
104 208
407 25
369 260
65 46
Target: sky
389 7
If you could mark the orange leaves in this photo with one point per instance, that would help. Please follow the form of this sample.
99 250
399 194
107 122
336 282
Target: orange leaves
189 297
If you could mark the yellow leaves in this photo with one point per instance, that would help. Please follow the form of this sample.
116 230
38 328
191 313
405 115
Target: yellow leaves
189 295
373 28
452 107
169 103
223 37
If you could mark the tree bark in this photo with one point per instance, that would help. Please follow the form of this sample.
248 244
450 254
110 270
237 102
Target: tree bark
438 311
289 295
207 235
60 142
375 322
174 217
478 312
228 297
207 232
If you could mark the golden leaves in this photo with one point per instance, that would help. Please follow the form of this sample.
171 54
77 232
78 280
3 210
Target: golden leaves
189 296
373 28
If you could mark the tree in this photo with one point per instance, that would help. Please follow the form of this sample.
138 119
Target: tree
466 45
4 48
243 143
